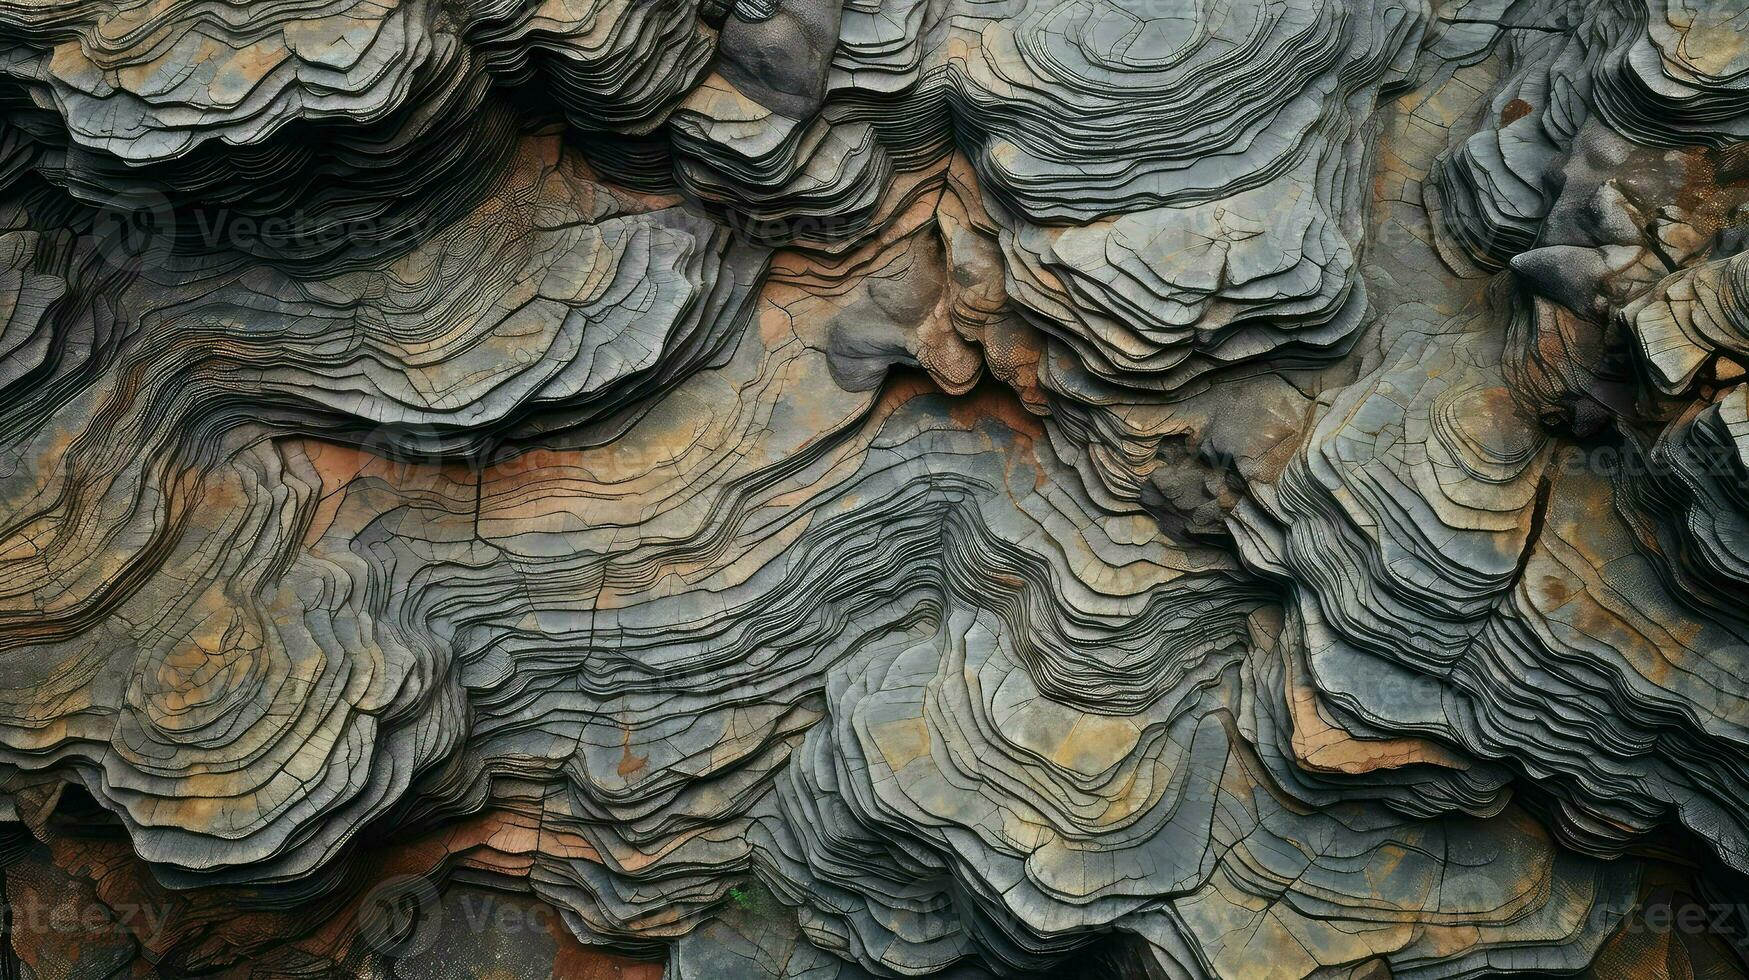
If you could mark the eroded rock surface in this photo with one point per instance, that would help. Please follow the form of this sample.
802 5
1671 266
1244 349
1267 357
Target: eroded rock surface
899 488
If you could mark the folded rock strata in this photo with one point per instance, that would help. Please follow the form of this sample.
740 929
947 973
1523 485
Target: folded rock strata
893 488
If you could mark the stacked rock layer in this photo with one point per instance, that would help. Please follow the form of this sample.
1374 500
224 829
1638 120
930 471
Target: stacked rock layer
891 488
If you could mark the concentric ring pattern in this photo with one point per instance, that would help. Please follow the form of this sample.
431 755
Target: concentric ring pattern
891 488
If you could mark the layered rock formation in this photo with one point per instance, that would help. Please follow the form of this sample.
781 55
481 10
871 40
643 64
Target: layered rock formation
900 488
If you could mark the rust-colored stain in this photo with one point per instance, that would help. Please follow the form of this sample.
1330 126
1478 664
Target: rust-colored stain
630 763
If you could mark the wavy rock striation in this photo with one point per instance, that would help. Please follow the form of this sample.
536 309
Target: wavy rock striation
892 488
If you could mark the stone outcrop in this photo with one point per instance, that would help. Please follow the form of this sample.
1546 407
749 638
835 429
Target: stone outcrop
899 488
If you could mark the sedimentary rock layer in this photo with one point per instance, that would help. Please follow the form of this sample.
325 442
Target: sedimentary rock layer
899 488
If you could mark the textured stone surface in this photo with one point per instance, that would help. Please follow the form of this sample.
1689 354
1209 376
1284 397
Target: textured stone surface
963 488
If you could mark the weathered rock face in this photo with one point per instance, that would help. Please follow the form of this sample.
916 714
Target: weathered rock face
979 488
